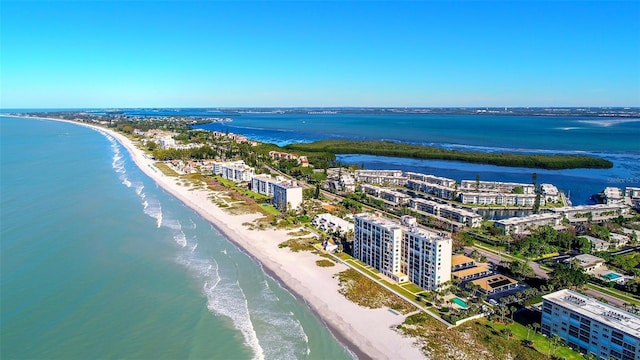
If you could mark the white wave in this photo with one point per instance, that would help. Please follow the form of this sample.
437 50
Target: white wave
226 298
139 188
152 208
126 182
172 224
180 239
608 122
568 128
282 335
195 246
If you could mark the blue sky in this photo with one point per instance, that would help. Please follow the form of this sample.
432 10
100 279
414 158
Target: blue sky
227 54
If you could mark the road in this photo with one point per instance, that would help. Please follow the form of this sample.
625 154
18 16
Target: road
497 258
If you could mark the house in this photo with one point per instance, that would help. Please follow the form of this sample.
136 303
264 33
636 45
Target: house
496 283
587 262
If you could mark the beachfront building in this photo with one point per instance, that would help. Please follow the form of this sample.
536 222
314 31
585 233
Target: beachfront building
332 223
520 225
496 186
403 251
381 177
285 194
390 197
590 326
462 216
497 198
597 212
236 171
437 190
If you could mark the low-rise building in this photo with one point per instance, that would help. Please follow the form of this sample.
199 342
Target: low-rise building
597 244
632 196
432 179
495 283
438 190
329 222
463 216
519 225
496 186
459 262
612 195
471 273
381 177
597 212
497 198
549 193
590 326
587 262
391 197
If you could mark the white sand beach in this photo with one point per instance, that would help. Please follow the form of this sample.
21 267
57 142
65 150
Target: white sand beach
368 333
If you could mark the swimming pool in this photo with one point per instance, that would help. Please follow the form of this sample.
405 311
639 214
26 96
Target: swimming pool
459 302
612 276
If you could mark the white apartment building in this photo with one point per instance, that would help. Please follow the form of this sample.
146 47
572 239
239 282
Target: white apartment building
591 326
428 207
612 195
236 171
403 251
495 186
285 194
582 213
329 222
381 177
167 142
441 191
518 225
549 193
497 198
432 179
390 197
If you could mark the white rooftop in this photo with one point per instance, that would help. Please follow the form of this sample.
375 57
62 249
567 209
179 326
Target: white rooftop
596 310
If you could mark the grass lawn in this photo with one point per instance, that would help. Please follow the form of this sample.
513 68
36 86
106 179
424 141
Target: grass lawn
165 169
270 209
540 342
412 288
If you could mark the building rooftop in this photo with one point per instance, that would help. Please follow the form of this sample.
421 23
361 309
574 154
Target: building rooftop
529 218
587 260
596 310
494 282
460 259
470 271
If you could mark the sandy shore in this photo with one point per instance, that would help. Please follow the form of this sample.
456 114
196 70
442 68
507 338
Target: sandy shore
367 333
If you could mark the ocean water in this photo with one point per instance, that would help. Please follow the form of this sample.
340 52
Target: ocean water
98 262
615 139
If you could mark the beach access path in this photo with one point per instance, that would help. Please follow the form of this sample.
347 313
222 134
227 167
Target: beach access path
368 333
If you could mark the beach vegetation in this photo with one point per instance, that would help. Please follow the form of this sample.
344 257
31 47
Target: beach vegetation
299 244
395 149
325 263
165 169
367 293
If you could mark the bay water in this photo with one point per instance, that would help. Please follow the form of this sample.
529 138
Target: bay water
614 138
98 262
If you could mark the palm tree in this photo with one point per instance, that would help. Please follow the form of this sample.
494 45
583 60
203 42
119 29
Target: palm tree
529 328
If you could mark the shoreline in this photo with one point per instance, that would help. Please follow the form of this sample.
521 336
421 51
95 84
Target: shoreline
365 333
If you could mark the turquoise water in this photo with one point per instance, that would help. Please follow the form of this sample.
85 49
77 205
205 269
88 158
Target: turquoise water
98 262
612 276
460 302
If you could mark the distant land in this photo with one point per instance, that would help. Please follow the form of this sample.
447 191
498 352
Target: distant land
627 112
